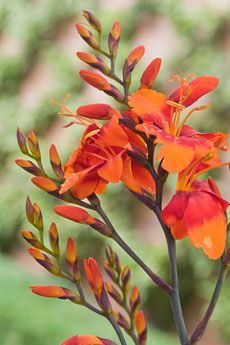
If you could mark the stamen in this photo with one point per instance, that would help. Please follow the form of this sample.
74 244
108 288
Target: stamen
202 107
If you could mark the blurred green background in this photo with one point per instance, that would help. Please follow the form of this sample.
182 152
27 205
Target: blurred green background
38 42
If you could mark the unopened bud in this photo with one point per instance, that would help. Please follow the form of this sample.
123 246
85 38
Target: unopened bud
33 145
92 20
114 37
22 142
30 167
87 36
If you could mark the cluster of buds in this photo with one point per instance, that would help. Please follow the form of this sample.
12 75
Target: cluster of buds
126 297
49 258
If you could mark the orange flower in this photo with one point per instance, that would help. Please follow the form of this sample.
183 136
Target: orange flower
180 144
87 340
102 158
198 211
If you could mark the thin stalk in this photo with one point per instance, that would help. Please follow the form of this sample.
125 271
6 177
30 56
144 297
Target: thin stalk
116 237
174 296
200 329
116 329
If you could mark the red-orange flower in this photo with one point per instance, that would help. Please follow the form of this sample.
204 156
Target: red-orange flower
180 144
87 340
198 211
102 158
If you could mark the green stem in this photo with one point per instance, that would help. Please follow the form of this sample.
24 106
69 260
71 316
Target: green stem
174 296
116 237
200 329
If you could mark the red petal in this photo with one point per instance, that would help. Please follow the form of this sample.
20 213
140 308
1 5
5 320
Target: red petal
206 223
199 87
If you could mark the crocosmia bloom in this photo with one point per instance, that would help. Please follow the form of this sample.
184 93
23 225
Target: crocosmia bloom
162 118
197 210
102 158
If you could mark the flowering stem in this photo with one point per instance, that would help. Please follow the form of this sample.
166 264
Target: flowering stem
116 237
174 295
116 329
200 329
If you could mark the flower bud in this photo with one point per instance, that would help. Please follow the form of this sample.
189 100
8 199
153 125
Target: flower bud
134 300
56 162
38 219
150 73
76 214
94 61
45 184
125 278
141 328
33 145
92 20
29 211
30 167
53 291
87 36
44 261
72 259
22 142
114 37
54 239
98 111
131 61
113 292
100 83
122 321
110 271
31 239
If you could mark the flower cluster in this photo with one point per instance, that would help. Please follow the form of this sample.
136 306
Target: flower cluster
139 144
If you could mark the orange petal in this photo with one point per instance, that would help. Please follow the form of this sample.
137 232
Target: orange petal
176 156
206 224
111 171
147 101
